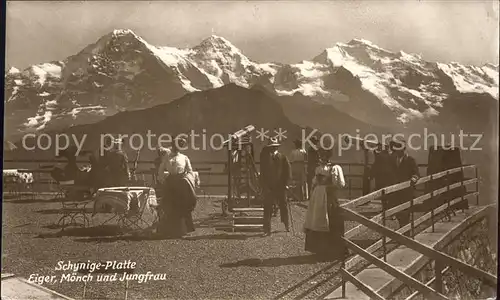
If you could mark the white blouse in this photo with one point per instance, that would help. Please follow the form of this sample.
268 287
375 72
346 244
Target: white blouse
174 163
335 171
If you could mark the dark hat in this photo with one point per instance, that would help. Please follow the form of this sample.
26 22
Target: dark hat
117 141
180 142
161 150
273 142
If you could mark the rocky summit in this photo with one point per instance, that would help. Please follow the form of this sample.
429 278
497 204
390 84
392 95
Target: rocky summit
123 72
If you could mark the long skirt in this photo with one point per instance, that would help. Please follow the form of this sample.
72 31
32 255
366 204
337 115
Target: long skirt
326 242
176 218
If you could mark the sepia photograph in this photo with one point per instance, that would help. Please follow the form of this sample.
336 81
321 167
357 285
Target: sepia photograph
273 150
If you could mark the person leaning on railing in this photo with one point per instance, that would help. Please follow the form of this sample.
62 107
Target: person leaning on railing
403 168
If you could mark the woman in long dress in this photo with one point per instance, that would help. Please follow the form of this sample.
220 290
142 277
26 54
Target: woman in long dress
324 225
178 195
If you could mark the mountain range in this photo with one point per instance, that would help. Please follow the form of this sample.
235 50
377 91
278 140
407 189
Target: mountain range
358 81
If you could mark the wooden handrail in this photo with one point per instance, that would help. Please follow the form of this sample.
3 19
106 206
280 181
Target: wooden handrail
428 283
421 199
423 249
401 186
360 285
392 286
377 245
410 281
403 206
407 184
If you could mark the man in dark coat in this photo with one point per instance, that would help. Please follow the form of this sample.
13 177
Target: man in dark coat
275 173
312 162
403 168
379 171
115 165
71 170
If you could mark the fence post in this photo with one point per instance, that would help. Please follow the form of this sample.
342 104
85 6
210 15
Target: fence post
462 192
350 185
350 189
412 218
342 267
477 186
432 203
384 246
438 269
448 195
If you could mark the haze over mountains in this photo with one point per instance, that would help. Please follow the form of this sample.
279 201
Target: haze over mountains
358 80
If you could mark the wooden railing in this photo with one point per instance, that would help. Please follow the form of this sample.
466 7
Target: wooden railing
399 237
212 173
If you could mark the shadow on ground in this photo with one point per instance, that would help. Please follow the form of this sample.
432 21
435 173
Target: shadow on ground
223 236
276 261
30 200
60 211
98 231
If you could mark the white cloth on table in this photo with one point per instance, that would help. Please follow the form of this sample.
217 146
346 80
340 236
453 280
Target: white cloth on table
15 176
120 198
317 211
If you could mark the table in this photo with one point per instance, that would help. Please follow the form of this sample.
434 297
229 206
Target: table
131 206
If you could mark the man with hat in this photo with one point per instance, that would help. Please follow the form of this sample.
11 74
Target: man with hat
115 164
274 177
404 168
71 170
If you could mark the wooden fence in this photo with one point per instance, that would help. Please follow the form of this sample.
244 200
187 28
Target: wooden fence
440 258
213 175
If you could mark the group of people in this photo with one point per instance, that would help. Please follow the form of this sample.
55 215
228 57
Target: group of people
323 225
311 170
318 180
108 170
393 165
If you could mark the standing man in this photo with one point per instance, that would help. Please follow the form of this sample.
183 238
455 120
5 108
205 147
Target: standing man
380 171
275 174
116 165
298 158
404 168
312 163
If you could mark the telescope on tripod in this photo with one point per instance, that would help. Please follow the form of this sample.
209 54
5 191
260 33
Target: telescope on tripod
240 135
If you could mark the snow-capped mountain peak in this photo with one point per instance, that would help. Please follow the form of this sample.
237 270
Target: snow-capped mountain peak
122 71
217 43
13 70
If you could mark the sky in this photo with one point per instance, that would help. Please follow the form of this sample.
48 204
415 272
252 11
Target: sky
266 31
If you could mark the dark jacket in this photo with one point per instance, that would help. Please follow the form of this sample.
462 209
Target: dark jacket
275 170
115 165
406 169
381 171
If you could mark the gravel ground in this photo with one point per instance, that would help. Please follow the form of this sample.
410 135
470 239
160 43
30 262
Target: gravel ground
210 264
